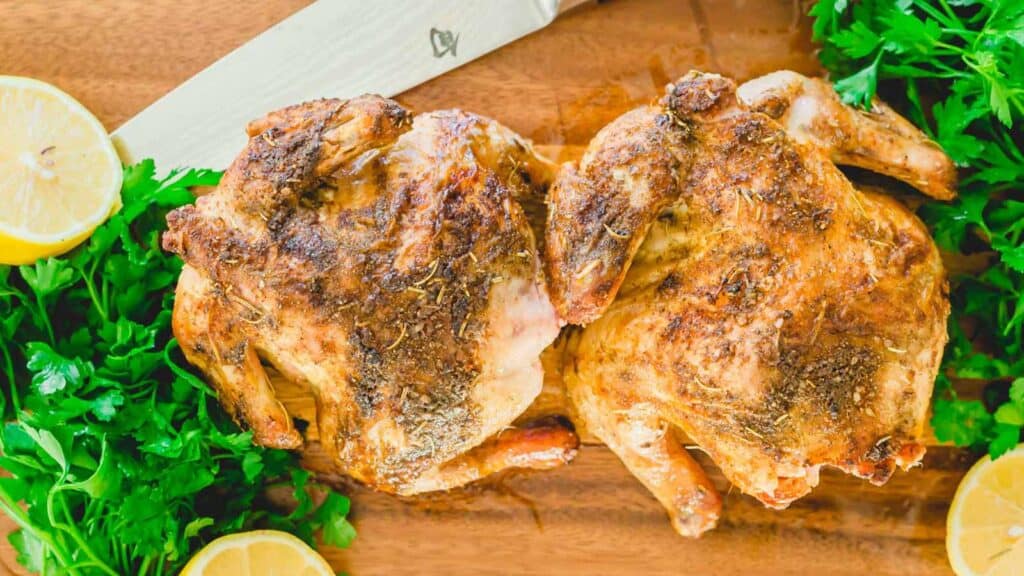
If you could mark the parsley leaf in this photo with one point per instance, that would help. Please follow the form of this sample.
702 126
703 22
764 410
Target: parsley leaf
905 33
47 276
51 371
857 41
963 422
332 517
107 429
826 16
860 87
29 548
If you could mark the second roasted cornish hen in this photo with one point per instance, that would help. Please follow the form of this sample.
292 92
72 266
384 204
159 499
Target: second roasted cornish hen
384 261
738 288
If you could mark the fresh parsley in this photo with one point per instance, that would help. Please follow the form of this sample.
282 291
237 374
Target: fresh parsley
956 68
120 458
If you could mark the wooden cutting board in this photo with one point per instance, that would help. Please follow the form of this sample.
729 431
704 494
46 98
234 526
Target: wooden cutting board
556 87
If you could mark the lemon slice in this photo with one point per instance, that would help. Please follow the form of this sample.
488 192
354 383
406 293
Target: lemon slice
985 527
257 553
60 176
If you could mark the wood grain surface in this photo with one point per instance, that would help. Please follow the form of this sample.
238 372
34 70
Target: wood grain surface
557 87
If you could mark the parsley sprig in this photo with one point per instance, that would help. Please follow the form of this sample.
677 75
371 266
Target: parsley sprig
120 459
956 68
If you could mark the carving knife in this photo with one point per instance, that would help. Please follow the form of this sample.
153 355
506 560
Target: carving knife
332 48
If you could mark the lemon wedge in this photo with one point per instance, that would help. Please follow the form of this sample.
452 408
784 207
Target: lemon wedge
985 527
257 553
60 176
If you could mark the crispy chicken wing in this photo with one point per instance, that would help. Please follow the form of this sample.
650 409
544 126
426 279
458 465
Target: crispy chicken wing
739 289
878 139
385 262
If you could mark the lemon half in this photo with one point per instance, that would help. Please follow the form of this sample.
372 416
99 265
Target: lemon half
60 176
257 553
985 527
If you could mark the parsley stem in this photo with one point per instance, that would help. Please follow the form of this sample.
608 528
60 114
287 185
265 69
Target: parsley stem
105 293
952 20
92 295
951 48
946 7
902 69
45 316
160 564
966 36
14 293
70 530
988 20
9 369
10 507
1017 315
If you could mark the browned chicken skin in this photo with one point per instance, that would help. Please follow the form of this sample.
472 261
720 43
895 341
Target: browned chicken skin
385 262
878 139
735 287
738 288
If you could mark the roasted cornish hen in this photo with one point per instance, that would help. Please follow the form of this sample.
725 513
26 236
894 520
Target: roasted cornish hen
384 261
739 289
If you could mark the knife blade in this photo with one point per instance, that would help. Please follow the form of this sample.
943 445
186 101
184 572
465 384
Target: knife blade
332 48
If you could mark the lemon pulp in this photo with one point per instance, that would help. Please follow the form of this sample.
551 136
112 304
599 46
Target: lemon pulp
985 527
257 553
60 176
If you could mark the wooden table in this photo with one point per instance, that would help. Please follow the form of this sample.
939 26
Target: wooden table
557 87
